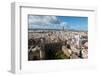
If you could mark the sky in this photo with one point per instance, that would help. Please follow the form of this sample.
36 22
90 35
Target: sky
58 22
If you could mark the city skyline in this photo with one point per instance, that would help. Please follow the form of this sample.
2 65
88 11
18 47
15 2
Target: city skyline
57 22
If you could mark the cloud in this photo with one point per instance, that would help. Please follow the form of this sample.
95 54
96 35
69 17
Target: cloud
46 22
43 20
63 24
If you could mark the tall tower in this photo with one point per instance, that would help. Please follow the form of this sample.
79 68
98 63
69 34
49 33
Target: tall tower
62 28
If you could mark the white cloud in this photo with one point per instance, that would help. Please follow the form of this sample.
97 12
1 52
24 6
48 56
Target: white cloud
42 20
46 22
64 24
